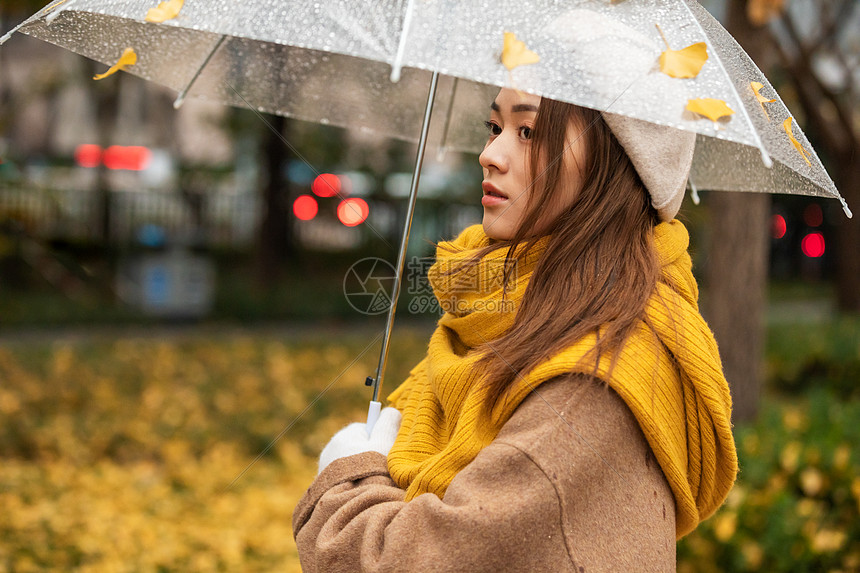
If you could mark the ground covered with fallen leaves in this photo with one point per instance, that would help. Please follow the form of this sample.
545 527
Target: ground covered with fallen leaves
133 454
187 452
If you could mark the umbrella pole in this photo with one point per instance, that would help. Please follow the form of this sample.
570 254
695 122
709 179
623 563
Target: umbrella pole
375 404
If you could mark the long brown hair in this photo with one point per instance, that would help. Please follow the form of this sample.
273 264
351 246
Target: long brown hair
599 268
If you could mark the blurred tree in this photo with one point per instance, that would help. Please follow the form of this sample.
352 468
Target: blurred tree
11 12
105 94
736 270
275 243
817 44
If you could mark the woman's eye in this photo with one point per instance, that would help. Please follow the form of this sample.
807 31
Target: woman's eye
526 132
493 128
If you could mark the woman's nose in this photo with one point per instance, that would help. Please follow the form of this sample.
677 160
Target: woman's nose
494 155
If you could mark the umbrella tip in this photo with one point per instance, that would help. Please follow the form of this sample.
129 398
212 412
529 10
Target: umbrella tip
180 99
6 36
845 208
694 192
765 158
395 74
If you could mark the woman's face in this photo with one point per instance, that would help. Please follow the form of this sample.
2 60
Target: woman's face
505 161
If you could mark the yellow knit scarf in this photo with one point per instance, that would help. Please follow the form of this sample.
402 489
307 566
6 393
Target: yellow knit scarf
679 397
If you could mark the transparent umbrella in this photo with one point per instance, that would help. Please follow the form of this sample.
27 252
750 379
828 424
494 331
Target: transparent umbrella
369 64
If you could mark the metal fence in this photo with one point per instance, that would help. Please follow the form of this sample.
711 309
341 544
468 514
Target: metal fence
227 220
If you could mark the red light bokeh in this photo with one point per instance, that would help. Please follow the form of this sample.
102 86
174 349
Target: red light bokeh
813 216
778 227
812 245
305 207
326 185
352 212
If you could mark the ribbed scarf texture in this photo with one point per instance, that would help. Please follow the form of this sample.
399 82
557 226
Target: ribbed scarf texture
670 377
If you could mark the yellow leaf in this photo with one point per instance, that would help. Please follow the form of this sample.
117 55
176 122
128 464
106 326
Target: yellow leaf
713 109
53 6
515 53
128 58
756 88
683 63
786 125
164 11
760 12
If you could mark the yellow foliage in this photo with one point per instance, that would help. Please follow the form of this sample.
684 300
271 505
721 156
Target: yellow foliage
842 457
756 88
684 63
713 109
786 125
119 458
790 456
53 7
164 11
753 554
128 58
725 525
793 419
515 53
828 540
811 482
760 12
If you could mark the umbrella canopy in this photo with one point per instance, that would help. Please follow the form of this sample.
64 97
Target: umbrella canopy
334 62
367 65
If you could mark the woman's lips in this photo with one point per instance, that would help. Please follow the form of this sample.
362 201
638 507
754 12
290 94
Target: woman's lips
492 195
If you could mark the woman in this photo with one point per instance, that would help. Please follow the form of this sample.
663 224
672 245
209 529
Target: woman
584 428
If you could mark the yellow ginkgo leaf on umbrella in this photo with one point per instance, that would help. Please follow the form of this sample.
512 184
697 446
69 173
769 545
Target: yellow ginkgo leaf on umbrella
128 58
713 109
786 125
164 11
756 88
684 63
53 6
515 53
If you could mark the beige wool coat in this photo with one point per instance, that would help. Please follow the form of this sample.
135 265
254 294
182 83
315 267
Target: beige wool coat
568 485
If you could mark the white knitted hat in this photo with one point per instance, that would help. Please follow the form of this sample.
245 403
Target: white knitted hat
662 157
612 55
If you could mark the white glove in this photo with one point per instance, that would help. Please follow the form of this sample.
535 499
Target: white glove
354 438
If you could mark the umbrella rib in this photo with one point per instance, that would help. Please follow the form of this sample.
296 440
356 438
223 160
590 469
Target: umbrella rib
401 45
765 156
440 154
294 150
404 241
180 99
45 11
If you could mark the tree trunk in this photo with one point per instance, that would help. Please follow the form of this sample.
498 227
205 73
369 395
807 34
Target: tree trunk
737 277
848 238
737 268
106 94
275 237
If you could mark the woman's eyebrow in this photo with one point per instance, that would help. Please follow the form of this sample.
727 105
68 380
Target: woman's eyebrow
520 107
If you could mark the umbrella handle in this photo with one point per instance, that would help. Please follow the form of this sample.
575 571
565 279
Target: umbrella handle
373 414
404 241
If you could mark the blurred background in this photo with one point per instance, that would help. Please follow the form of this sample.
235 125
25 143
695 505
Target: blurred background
177 339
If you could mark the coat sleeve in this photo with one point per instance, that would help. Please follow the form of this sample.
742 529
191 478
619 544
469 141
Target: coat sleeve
530 501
